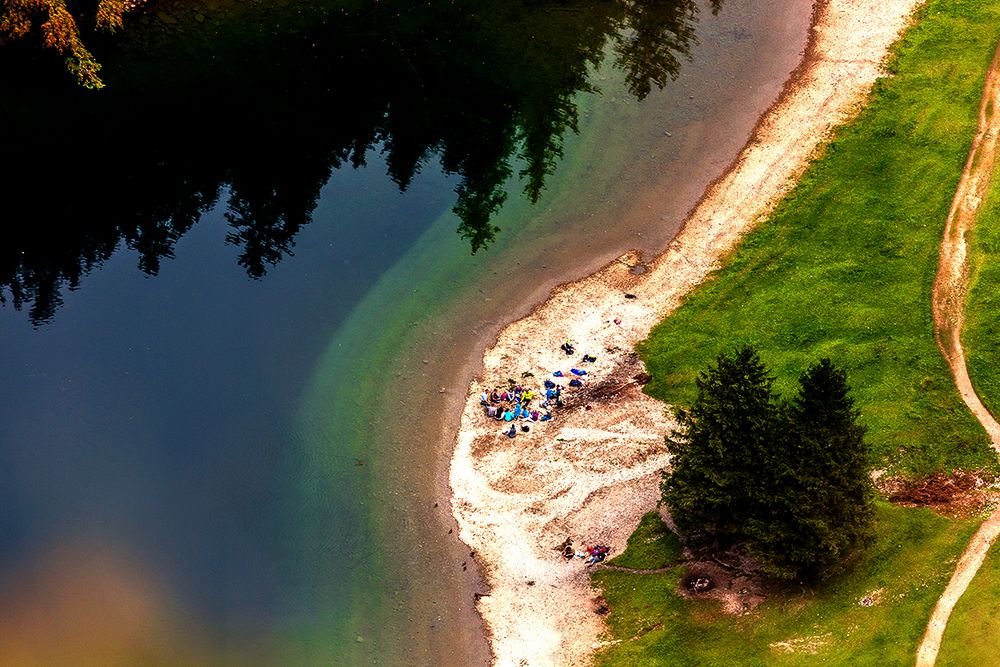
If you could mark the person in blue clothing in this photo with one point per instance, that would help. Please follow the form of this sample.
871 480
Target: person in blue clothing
549 395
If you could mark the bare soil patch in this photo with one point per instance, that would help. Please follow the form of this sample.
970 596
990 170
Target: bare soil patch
739 590
960 494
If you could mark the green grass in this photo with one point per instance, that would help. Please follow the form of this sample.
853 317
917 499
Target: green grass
650 547
971 635
909 565
844 266
982 311
970 638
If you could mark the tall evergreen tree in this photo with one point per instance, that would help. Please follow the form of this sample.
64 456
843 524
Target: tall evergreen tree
824 513
788 481
712 488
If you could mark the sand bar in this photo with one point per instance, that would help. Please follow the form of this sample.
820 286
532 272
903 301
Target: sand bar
593 471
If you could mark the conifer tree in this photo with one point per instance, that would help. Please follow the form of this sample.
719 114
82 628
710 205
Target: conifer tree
824 510
789 482
711 489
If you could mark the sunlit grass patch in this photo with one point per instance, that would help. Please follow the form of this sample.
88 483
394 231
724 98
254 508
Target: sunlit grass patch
874 615
844 266
651 546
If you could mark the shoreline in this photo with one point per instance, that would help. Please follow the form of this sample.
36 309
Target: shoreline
593 471
621 169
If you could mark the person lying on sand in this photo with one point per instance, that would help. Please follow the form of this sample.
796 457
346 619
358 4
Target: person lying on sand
597 554
566 548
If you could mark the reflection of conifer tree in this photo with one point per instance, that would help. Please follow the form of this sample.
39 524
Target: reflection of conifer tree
269 203
657 35
476 87
154 239
264 224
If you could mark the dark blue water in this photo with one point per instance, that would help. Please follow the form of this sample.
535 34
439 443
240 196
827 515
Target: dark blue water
157 412
248 471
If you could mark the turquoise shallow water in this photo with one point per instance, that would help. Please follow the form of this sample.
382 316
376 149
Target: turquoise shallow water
267 459
413 343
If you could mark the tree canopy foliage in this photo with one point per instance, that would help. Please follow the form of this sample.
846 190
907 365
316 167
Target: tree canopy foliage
255 104
787 480
57 22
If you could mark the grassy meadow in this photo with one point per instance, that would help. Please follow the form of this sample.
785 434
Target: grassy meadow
904 573
844 267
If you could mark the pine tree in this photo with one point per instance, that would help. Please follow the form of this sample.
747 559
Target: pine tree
787 481
712 487
825 508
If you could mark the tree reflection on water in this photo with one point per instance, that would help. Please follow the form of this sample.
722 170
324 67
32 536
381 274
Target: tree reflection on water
198 104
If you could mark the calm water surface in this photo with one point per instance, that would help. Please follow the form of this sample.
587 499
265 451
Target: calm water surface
238 454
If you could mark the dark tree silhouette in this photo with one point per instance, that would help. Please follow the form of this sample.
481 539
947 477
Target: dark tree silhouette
263 102
788 482
824 510
718 449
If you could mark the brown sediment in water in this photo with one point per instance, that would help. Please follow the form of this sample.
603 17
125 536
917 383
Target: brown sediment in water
591 473
87 603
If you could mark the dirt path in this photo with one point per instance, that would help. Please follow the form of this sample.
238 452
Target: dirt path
948 302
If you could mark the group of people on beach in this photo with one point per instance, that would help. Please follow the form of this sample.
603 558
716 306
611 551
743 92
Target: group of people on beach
589 554
513 405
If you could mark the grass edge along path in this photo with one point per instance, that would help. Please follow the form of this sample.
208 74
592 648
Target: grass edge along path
902 574
982 308
970 638
949 302
844 266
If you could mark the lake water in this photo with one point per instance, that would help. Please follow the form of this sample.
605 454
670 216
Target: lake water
238 454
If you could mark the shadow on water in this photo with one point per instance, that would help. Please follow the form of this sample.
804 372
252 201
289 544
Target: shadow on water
259 102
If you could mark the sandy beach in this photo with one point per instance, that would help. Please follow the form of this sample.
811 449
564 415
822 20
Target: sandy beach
591 472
